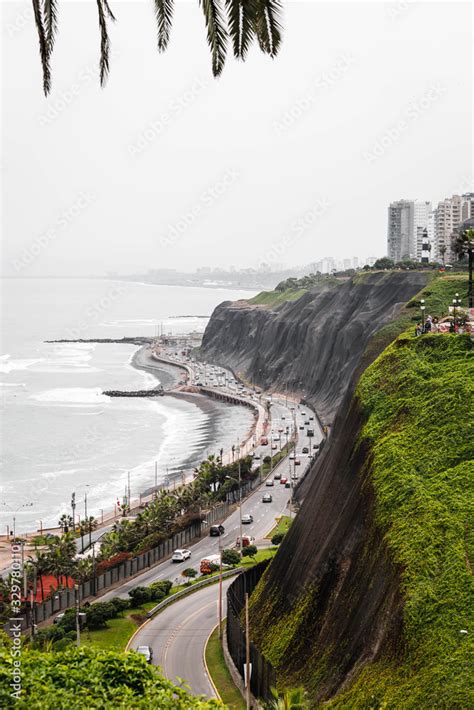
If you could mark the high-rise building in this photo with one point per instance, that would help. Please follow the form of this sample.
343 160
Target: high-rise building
407 220
448 215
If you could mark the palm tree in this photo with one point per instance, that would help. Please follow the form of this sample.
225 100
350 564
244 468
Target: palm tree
463 245
290 700
240 21
442 250
65 522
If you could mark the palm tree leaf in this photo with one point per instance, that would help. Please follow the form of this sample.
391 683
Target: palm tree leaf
164 18
267 25
241 16
109 12
216 34
104 42
43 46
50 14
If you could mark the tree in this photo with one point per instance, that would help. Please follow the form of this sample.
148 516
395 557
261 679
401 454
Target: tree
241 23
249 551
277 538
290 700
230 557
463 245
65 522
442 250
384 263
189 573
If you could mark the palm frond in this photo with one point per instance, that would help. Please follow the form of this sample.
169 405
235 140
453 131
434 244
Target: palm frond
109 12
104 42
43 46
267 25
50 15
164 19
216 34
241 17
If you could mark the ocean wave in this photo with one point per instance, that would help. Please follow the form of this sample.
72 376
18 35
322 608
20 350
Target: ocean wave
7 365
73 396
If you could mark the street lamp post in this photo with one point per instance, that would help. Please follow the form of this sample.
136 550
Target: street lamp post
456 304
422 309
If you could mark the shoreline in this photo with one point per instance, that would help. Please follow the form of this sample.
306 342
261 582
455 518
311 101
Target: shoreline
171 376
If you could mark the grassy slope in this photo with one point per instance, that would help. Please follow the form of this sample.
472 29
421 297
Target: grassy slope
220 674
274 298
418 399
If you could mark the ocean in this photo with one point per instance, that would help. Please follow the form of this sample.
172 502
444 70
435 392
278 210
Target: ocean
59 433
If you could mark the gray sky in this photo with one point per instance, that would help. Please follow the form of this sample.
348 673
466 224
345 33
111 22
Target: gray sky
283 161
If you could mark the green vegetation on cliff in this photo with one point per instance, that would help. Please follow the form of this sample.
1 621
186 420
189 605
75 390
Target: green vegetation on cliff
418 400
418 433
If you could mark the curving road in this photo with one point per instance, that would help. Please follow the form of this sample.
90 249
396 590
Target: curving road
178 637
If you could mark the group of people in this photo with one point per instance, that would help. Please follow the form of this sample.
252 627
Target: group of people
430 325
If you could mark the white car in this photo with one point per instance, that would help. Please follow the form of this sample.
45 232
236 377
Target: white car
256 457
292 457
146 651
247 518
181 555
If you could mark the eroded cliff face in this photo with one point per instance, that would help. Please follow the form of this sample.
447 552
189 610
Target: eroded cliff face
330 601
311 346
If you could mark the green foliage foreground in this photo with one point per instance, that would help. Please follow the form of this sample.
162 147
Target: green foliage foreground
86 678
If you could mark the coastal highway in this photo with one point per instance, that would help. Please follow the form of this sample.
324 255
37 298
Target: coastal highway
178 636
264 515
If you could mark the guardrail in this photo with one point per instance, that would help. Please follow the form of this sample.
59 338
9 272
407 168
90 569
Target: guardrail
194 587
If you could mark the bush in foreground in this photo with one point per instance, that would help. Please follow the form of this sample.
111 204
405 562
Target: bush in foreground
87 678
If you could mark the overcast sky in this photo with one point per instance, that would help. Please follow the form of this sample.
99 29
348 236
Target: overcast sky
283 161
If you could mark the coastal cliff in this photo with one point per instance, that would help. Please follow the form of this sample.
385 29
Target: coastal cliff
367 602
311 346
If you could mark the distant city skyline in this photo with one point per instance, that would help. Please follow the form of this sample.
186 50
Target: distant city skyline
283 162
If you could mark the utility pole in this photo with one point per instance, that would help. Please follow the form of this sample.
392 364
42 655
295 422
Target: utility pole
220 589
247 651
155 492
78 625
240 502
128 491
73 508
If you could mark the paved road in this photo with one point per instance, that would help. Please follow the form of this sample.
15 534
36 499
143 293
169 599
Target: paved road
178 637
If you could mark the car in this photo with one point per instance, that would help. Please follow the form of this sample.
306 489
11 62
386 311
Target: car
283 416
301 428
274 446
247 518
269 482
305 450
276 437
181 555
292 457
247 540
297 462
294 476
315 447
287 484
303 414
311 419
277 476
267 498
307 422
256 457
283 480
216 530
146 651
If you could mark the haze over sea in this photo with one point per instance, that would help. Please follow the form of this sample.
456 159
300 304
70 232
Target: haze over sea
59 433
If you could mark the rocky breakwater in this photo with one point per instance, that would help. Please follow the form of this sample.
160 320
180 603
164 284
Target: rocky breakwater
156 392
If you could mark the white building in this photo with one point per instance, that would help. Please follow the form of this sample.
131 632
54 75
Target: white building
448 215
407 220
